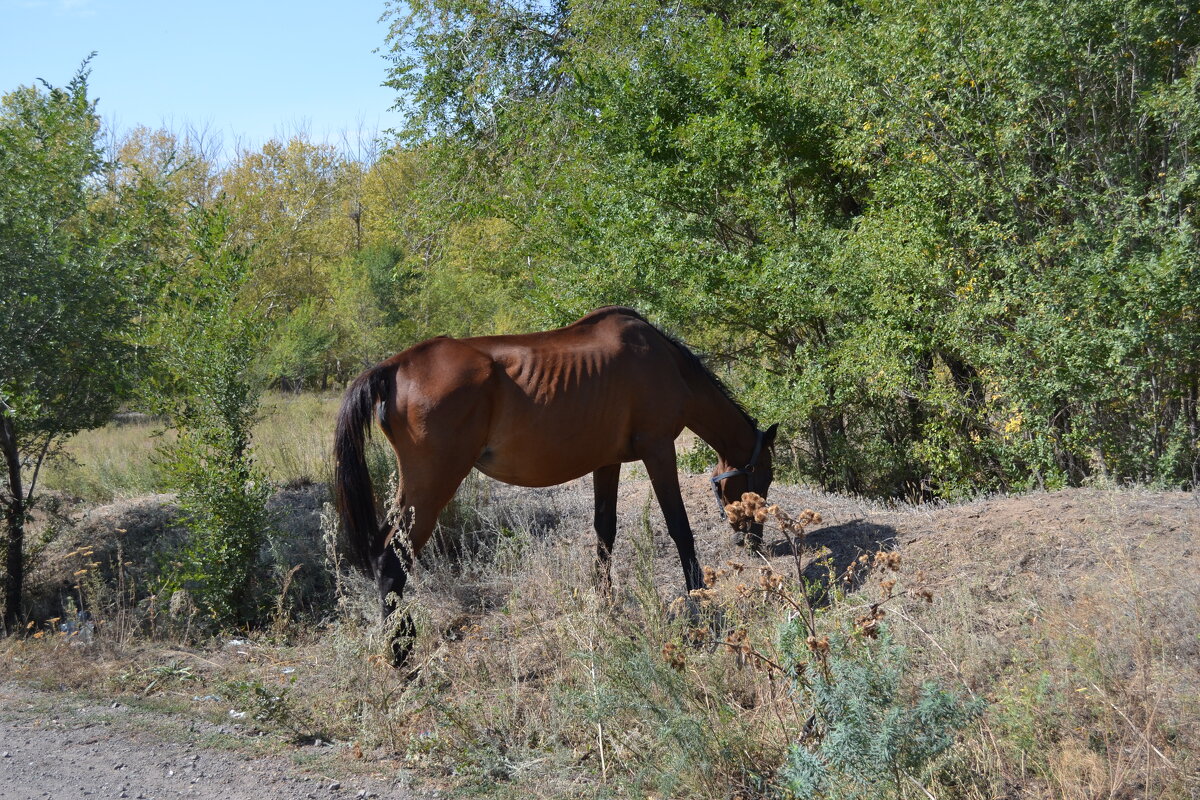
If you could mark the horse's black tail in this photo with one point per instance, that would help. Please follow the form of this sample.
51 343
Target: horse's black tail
352 488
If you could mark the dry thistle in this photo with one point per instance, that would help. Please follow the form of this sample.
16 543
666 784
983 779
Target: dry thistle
857 565
739 642
868 624
753 508
768 579
674 656
794 525
753 501
809 517
889 560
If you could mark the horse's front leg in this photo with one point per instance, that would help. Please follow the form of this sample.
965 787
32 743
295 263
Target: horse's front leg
659 458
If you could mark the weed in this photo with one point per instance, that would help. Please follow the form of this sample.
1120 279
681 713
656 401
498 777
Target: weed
146 680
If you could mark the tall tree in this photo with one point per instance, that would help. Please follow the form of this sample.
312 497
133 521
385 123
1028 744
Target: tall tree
70 267
952 246
208 339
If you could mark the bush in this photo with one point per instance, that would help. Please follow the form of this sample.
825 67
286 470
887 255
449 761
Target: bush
209 341
866 738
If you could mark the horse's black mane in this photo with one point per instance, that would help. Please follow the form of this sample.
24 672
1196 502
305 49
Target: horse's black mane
698 361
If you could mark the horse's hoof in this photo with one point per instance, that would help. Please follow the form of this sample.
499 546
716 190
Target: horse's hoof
604 592
403 637
399 651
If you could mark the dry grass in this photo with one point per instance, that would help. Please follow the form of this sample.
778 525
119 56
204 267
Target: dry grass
1079 619
104 464
1075 615
294 438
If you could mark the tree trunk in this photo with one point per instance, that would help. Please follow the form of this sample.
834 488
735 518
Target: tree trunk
14 571
1191 404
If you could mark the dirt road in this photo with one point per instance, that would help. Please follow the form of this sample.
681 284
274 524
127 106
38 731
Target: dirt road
56 746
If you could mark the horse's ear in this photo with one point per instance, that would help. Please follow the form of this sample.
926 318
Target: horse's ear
769 434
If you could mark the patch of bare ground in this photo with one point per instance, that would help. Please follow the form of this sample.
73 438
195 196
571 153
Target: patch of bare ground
54 746
1074 614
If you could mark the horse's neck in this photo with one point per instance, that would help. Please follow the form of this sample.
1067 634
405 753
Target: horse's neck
718 421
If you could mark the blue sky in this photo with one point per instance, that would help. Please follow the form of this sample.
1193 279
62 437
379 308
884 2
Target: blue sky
247 70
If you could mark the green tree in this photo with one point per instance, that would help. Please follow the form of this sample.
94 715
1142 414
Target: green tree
72 257
186 164
307 212
951 247
287 203
208 339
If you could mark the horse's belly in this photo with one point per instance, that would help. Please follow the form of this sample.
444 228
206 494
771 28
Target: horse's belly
549 464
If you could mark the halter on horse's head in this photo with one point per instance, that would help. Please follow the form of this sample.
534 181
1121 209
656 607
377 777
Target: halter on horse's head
730 483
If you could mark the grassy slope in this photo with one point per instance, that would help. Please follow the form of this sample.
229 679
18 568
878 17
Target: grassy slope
1075 614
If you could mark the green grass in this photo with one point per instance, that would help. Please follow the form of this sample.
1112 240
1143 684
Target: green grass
294 438
292 443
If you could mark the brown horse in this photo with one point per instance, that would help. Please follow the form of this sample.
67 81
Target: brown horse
537 409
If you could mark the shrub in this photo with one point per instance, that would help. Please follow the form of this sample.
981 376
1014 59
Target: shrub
866 736
209 339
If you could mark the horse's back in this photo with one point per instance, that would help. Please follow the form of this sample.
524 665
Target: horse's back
608 354
542 408
571 400
606 329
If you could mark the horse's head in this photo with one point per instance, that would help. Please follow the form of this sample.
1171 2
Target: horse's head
730 482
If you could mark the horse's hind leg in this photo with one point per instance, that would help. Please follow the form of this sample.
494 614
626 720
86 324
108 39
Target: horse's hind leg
421 498
604 484
391 574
